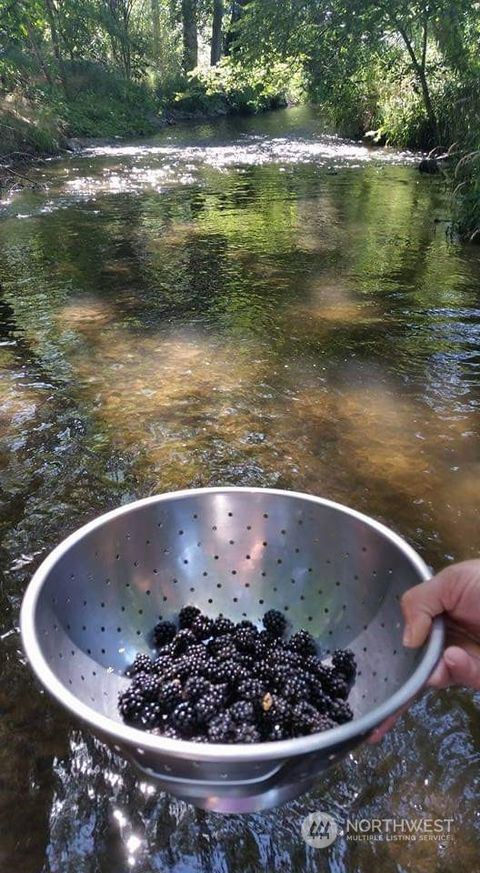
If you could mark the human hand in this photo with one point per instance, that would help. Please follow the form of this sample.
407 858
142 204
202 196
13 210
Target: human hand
455 592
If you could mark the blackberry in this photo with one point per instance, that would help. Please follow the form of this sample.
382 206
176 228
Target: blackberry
216 681
245 639
280 712
242 712
197 665
326 675
265 638
324 723
202 627
151 715
130 704
304 716
227 651
161 664
247 661
179 669
221 671
246 733
320 698
170 694
278 732
209 706
222 690
340 711
252 690
303 643
142 664
169 732
293 688
338 687
286 659
222 626
313 664
221 729
187 616
183 641
216 644
148 687
344 662
195 687
139 679
210 668
171 674
184 718
245 624
198 650
281 672
275 622
163 633
239 674
263 670
278 646
165 651
260 652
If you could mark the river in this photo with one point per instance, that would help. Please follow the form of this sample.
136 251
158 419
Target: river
246 302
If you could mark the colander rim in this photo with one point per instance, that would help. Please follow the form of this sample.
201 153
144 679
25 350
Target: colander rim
120 733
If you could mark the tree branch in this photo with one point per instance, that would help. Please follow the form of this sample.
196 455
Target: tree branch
18 175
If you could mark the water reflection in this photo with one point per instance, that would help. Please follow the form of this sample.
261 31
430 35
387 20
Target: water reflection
271 315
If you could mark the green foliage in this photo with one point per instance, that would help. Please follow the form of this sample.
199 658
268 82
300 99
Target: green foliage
408 70
467 196
102 102
32 131
231 87
94 114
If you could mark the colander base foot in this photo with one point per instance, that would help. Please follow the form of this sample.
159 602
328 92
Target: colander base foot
229 802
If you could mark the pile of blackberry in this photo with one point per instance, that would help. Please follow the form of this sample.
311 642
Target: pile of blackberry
219 682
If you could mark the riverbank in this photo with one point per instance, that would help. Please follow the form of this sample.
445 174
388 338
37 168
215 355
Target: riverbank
94 102
30 136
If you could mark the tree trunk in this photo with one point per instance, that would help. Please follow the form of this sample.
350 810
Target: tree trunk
38 54
237 8
156 29
420 71
51 12
217 38
190 37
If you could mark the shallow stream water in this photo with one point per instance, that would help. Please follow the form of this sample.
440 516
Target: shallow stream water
246 302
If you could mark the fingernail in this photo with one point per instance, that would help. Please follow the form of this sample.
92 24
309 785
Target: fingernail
407 637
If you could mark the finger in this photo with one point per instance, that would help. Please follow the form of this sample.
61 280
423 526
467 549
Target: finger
456 667
463 667
440 677
457 636
379 732
421 603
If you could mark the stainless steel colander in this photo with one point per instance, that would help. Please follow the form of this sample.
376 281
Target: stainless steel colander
91 605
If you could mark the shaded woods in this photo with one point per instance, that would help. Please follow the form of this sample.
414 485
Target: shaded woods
404 73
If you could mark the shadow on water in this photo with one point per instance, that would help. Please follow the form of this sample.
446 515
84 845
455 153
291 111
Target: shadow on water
245 302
